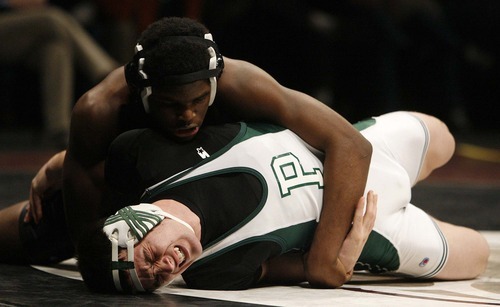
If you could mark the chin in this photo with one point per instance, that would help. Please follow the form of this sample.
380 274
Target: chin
169 134
183 139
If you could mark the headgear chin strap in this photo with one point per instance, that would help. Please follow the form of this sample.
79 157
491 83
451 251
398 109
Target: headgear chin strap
215 67
125 229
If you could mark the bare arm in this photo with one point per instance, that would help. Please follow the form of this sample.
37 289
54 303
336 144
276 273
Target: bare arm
94 125
251 91
44 184
290 267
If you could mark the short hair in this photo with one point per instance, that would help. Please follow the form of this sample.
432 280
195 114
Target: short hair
168 50
94 259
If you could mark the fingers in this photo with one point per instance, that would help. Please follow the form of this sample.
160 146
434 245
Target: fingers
27 216
34 208
358 214
363 222
365 216
371 210
38 209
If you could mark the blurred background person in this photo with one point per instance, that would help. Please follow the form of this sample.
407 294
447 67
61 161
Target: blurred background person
39 37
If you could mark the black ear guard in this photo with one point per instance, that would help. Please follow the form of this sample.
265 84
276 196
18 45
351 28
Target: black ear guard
139 81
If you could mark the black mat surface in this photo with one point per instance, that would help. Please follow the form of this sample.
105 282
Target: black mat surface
25 286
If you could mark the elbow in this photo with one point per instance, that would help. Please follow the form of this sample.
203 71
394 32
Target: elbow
339 281
331 283
365 147
327 276
361 148
353 143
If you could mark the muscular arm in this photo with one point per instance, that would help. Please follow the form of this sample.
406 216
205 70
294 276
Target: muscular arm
249 90
94 125
289 268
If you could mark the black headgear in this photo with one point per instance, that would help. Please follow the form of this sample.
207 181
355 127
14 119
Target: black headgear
138 79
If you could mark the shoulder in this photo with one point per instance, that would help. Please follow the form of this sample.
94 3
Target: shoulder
105 98
239 72
95 120
235 65
251 92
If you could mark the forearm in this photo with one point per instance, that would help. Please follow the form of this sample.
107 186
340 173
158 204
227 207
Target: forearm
346 164
345 172
49 177
53 169
291 267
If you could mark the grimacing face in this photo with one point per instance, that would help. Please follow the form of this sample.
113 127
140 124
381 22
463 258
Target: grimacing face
164 254
179 111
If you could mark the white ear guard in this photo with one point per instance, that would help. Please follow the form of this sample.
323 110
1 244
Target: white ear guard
117 265
125 229
147 90
215 66
212 65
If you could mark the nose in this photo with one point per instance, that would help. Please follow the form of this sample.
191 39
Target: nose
167 264
186 113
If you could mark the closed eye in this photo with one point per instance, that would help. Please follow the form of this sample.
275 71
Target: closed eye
148 256
201 99
149 263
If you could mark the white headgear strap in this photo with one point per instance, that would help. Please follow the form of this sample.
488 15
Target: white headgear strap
212 64
125 229
147 90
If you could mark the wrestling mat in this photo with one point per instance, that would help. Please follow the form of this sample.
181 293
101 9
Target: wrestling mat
363 290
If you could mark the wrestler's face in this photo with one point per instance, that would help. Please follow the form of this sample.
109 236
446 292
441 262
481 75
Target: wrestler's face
179 111
165 253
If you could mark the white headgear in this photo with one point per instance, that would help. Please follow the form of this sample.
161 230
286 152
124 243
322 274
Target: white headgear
125 229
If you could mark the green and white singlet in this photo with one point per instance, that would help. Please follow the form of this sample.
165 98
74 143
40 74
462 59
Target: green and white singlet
268 199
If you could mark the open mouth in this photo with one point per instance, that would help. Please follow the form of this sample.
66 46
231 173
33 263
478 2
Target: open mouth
181 255
186 132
